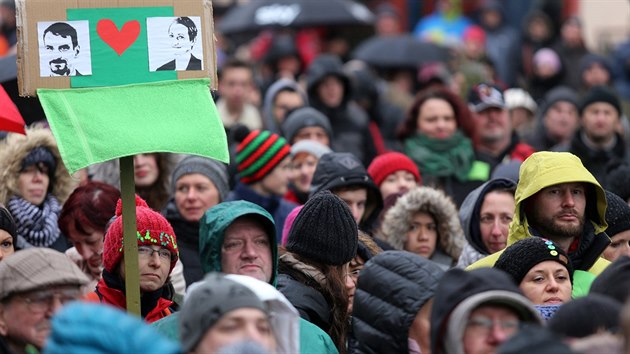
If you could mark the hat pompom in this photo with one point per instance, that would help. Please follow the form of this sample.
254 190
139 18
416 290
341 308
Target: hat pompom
139 203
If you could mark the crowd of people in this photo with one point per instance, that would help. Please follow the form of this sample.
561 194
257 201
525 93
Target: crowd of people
479 204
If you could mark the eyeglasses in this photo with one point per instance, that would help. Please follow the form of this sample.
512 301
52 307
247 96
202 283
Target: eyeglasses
41 301
484 325
354 274
148 252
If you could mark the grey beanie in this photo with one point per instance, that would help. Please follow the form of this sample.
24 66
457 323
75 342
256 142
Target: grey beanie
310 146
215 171
559 93
302 118
207 302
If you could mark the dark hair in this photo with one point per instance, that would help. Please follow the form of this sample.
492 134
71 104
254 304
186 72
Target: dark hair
192 28
462 114
90 206
64 30
235 64
157 194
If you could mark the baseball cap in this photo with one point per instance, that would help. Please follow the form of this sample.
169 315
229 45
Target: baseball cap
484 96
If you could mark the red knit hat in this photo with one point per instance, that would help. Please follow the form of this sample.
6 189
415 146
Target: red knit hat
390 162
259 153
152 229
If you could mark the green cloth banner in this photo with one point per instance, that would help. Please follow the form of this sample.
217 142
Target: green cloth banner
93 125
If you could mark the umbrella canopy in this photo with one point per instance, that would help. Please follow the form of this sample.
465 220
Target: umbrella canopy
10 118
258 15
399 52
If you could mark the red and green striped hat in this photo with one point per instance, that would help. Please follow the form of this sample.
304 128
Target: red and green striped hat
259 154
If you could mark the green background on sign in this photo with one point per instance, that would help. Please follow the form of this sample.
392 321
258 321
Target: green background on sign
109 69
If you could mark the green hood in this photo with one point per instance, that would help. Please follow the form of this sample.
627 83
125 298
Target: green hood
544 169
217 219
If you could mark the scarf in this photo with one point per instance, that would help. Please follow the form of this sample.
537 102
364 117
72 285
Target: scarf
441 157
36 226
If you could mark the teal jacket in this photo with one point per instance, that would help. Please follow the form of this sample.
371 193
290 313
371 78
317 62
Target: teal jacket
212 227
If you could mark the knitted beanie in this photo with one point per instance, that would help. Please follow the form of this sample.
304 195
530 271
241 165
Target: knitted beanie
259 153
390 162
209 300
152 229
312 147
44 155
600 94
324 230
585 316
7 223
617 214
303 118
520 257
215 171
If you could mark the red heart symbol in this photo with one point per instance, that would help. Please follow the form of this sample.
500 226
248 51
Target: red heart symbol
118 40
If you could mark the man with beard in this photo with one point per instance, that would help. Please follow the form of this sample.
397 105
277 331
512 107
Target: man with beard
559 199
599 141
61 48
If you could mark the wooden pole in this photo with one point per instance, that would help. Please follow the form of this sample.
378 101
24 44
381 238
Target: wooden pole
130 239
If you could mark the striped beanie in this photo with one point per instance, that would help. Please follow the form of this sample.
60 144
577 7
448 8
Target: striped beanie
259 153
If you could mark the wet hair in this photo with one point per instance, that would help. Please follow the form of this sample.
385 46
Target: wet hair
89 207
460 110
192 28
64 30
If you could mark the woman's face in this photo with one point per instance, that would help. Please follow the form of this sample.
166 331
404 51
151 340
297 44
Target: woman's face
354 269
194 194
436 119
496 213
397 182
6 244
146 170
422 235
180 40
33 183
547 283
620 246
89 246
304 165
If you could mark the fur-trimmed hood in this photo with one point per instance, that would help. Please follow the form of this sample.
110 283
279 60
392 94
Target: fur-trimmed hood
15 148
397 220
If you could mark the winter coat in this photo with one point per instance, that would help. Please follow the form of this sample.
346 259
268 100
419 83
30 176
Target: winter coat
212 229
269 121
348 121
398 218
469 216
541 172
187 241
275 205
15 148
502 44
392 288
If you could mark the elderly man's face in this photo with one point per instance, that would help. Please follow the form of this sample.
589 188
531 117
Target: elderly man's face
25 317
60 53
488 327
246 250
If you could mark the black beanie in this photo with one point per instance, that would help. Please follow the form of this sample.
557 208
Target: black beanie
324 230
587 315
7 223
617 214
520 257
600 94
614 281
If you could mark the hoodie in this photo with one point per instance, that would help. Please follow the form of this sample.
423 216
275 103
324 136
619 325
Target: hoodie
544 169
398 218
269 121
469 216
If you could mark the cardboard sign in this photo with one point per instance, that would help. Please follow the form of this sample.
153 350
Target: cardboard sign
81 43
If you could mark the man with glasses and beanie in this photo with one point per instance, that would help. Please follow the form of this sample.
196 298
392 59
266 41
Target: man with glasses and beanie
157 255
34 284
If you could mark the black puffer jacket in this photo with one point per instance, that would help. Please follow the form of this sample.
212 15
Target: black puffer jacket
309 302
392 288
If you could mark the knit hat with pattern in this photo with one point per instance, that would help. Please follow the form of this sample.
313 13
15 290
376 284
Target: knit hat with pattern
152 230
617 214
388 163
520 257
324 230
259 153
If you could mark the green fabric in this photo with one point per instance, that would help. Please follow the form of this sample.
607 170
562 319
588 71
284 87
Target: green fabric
312 339
582 281
93 125
110 69
480 171
441 157
212 228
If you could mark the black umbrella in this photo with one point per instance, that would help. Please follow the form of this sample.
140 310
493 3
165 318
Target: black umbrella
258 15
399 52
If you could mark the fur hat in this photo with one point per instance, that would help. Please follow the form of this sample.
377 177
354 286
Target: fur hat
214 170
152 229
390 162
520 257
332 242
258 154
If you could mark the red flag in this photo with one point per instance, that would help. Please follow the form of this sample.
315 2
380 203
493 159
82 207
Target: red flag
10 118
